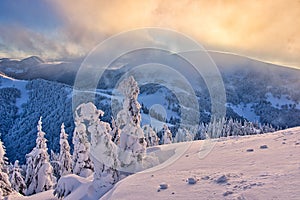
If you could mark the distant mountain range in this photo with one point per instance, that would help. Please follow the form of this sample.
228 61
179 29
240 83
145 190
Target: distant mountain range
35 67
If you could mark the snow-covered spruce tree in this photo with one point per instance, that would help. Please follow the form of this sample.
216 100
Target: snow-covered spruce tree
132 141
267 128
167 137
214 128
54 161
5 186
183 135
228 128
16 179
151 137
104 151
39 174
65 158
53 155
82 163
115 132
201 132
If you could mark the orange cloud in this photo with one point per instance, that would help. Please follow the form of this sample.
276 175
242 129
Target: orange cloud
268 30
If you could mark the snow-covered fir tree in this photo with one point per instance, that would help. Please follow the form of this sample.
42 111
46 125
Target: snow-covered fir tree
132 141
167 136
54 161
115 132
39 174
5 186
267 128
53 155
104 151
231 127
82 163
228 129
200 133
151 137
183 135
214 128
16 179
65 158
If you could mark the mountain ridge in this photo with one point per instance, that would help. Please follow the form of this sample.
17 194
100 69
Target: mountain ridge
68 69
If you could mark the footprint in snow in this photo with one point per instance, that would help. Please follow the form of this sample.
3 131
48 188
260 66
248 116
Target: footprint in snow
222 180
227 193
263 146
163 186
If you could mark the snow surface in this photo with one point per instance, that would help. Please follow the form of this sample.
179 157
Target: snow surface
244 110
228 172
19 84
146 119
283 100
48 195
157 98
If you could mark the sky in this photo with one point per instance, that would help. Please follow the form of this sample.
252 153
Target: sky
266 30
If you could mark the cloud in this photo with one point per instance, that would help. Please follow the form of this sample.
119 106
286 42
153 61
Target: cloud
18 42
267 30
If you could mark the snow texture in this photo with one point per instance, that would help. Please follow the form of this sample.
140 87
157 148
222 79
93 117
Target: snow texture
67 184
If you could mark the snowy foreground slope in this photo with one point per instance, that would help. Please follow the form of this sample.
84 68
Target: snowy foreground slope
271 173
235 168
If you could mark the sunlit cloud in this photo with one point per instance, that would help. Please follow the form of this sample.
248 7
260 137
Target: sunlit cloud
19 42
266 30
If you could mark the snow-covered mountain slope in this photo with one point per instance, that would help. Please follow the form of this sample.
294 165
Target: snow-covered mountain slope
236 168
8 82
249 83
34 67
250 167
23 102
